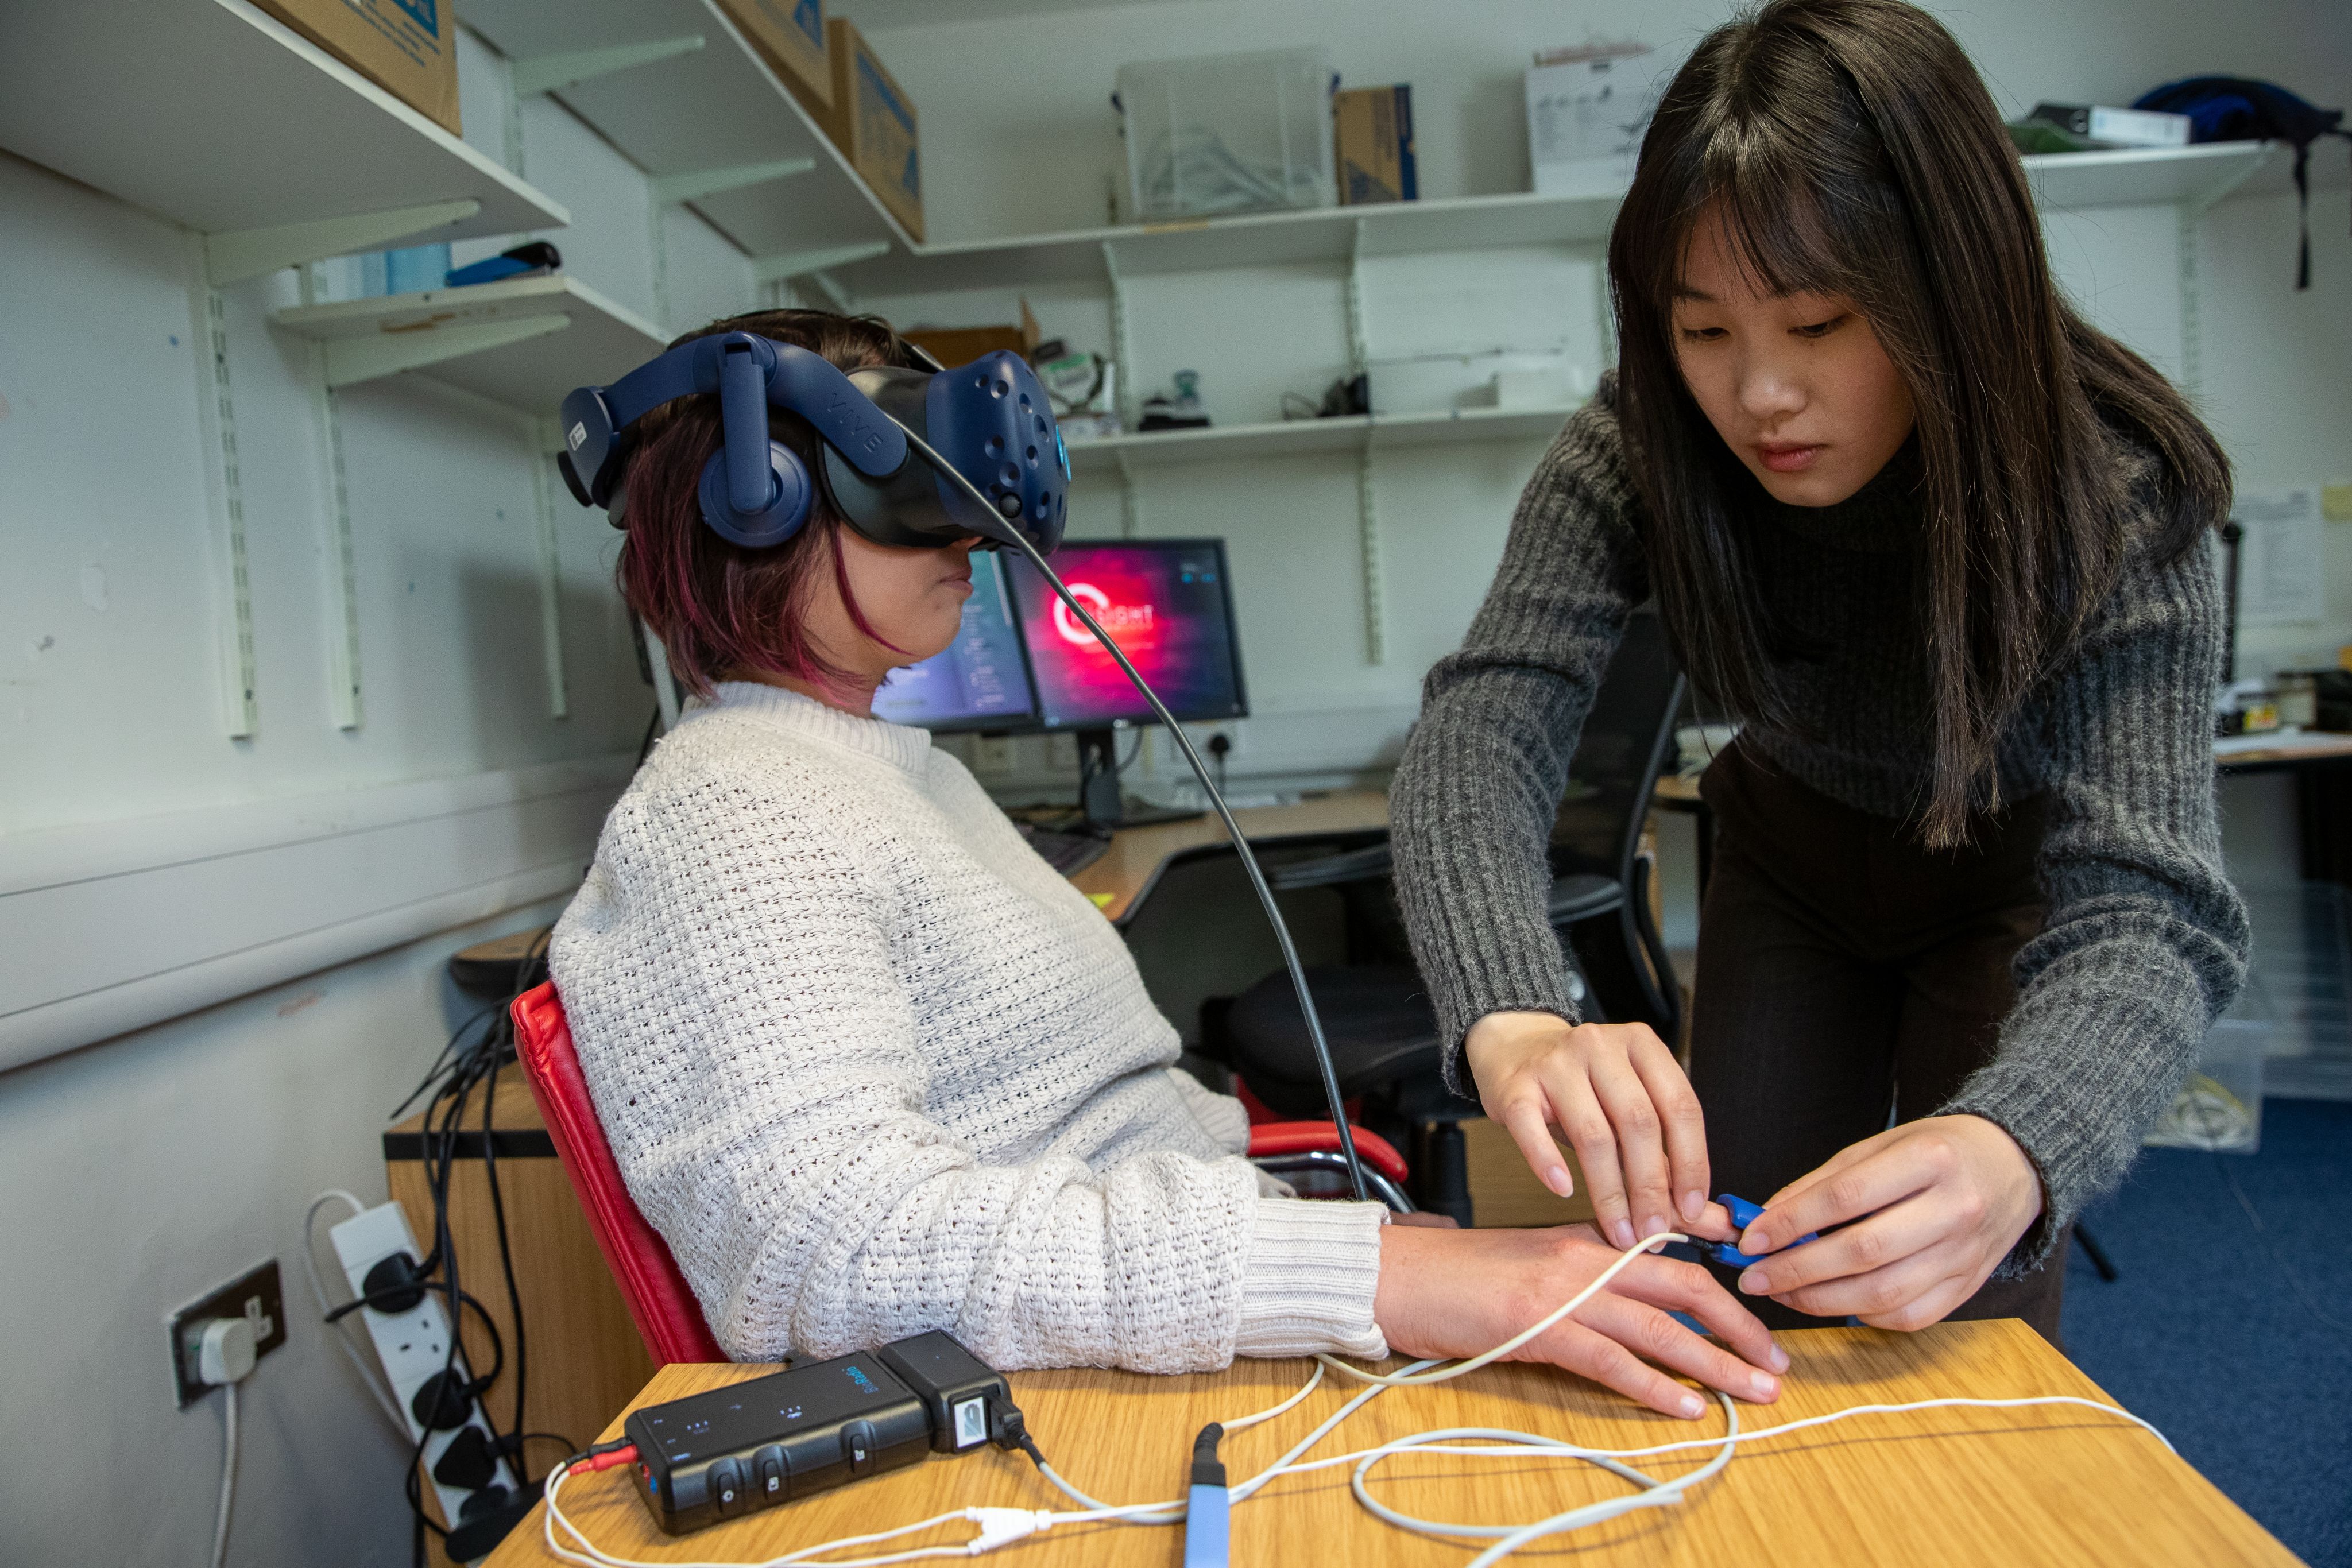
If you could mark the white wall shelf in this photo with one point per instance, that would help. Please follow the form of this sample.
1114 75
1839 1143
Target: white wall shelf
716 108
525 343
2071 180
1254 239
223 119
1354 432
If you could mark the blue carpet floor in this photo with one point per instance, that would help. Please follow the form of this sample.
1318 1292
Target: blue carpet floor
2207 1334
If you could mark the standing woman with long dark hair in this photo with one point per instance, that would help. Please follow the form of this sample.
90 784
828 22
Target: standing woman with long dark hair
1941 547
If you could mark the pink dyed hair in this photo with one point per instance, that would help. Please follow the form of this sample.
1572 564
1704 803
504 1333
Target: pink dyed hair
721 610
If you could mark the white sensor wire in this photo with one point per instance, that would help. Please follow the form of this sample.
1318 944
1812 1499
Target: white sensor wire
1001 1527
228 1474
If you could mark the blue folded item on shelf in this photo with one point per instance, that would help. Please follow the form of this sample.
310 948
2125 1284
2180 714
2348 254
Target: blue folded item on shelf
524 260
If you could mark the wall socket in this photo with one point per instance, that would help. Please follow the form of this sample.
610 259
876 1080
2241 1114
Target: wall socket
992 754
254 1295
1062 752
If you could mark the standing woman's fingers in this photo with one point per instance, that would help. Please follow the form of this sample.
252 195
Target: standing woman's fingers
1590 1133
1640 1143
1684 1123
1526 1115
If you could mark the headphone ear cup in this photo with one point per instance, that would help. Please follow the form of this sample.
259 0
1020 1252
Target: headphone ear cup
772 524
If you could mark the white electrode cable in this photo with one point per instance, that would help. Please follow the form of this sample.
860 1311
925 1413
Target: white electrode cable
228 1474
1002 1526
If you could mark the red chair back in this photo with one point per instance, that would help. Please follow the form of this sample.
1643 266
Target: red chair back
665 1308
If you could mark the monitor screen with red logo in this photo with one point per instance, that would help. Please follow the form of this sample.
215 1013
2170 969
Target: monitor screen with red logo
1171 607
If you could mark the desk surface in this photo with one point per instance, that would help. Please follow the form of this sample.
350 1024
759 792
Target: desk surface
1126 870
2049 1485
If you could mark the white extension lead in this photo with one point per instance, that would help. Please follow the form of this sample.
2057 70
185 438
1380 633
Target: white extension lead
1004 1526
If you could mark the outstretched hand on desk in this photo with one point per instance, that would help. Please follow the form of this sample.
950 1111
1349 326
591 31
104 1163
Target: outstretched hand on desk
1454 1293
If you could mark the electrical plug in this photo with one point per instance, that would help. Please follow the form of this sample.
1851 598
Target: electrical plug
226 1350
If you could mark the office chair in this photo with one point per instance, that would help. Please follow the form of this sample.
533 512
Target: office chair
660 1302
1377 1016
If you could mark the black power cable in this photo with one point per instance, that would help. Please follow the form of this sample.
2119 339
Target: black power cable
468 1062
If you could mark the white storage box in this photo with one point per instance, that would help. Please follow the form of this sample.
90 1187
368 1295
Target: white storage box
1498 378
1229 133
1588 111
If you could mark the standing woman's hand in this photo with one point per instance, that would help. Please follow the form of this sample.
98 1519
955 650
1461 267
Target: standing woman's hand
1929 1210
1620 1099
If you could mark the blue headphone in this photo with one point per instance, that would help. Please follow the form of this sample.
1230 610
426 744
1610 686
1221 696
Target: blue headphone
880 431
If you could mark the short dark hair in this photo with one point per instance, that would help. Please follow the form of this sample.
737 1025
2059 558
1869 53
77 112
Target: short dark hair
722 610
1850 148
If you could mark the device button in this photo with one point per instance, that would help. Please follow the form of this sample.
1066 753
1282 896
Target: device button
768 1477
858 1447
726 1489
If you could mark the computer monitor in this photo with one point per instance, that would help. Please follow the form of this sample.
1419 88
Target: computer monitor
981 679
1169 604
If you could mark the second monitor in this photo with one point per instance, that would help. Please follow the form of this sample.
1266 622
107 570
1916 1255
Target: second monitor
1169 603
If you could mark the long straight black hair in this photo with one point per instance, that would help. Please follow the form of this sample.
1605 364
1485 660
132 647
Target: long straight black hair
1848 147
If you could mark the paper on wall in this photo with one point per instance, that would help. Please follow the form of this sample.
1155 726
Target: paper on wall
2282 571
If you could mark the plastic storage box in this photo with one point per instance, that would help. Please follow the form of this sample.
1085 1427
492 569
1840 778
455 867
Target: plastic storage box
1229 133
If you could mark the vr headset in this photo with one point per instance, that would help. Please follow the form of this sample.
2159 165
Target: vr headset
886 437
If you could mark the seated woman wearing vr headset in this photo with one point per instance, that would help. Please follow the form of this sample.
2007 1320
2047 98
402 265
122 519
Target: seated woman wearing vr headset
867 1061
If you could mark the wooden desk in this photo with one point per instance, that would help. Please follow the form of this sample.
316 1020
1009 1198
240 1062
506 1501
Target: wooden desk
1126 873
2051 1485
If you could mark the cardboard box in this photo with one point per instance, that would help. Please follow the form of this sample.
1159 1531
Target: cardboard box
1373 126
1588 109
953 346
790 35
408 47
874 124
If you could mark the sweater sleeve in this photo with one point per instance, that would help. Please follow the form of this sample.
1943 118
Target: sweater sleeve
1472 805
2144 941
763 1087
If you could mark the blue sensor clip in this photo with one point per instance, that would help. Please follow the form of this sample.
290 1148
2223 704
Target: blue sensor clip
1743 1215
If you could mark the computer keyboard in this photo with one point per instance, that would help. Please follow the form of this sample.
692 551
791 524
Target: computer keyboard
1069 853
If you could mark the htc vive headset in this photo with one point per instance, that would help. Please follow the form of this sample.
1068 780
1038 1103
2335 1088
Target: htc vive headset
989 419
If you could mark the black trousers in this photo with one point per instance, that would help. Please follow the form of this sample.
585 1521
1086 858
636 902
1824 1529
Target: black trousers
1847 975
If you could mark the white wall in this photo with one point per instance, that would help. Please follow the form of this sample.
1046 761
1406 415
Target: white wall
148 1167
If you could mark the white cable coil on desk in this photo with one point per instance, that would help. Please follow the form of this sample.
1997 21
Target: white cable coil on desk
1001 1527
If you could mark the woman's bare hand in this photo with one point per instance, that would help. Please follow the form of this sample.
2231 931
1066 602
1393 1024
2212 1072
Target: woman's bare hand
1455 1294
1618 1097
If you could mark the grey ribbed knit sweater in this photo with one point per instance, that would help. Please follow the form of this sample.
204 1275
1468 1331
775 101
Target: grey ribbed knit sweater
2144 940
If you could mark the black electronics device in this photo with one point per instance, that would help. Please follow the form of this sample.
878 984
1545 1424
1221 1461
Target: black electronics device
807 1429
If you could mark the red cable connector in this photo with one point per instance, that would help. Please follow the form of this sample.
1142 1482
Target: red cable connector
605 1460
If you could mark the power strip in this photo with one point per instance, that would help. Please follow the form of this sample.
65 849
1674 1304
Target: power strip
414 1346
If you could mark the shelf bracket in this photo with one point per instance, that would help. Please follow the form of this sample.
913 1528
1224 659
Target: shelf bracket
2190 241
341 572
547 436
553 73
697 183
1367 526
1122 349
224 495
353 359
1359 356
801 263
1130 501
233 255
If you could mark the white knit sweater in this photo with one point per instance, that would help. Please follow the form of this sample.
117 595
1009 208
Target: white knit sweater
872 1068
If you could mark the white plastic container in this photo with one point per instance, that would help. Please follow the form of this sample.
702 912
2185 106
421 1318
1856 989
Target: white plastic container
1229 133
